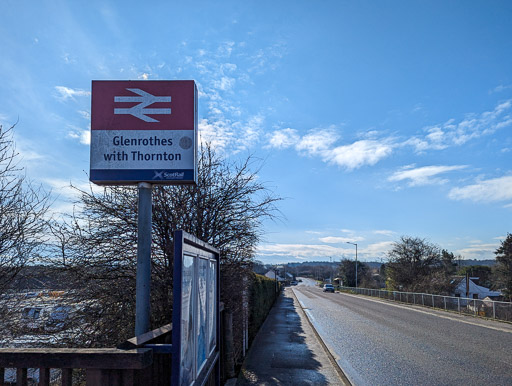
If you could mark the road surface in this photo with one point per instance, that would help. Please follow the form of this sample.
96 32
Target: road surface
377 342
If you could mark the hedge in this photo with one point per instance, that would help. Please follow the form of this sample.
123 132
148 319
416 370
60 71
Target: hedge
262 295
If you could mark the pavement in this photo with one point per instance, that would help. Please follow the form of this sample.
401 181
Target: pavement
288 351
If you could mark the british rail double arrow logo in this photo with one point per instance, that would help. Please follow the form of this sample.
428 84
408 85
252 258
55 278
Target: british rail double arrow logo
145 99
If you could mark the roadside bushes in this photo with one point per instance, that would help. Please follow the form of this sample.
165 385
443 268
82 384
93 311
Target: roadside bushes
262 295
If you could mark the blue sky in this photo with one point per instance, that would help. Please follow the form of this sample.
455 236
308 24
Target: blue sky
373 119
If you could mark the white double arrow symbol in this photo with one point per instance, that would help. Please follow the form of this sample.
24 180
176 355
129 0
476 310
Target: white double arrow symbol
145 99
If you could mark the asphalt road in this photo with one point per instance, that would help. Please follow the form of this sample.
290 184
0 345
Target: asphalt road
382 343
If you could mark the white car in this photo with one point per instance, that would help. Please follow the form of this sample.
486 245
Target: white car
328 288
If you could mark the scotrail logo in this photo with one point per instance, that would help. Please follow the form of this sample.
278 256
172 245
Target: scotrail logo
145 99
168 176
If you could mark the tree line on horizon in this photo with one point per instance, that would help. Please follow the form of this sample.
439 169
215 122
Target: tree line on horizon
416 265
94 248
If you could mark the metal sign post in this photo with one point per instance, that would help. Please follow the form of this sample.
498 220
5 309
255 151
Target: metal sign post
143 133
143 286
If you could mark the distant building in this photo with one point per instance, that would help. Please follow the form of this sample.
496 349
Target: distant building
272 275
474 291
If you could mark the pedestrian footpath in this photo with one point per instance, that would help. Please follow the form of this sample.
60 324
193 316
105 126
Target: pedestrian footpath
286 350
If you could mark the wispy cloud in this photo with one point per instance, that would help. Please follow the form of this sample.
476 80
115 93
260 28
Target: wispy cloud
321 143
385 232
378 250
478 251
425 175
359 154
226 123
323 251
300 251
225 83
452 133
317 142
65 93
3 118
84 136
491 190
339 240
283 139
500 88
231 136
216 132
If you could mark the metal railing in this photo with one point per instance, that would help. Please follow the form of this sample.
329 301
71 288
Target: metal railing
142 360
477 307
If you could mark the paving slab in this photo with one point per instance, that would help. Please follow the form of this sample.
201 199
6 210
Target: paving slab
287 351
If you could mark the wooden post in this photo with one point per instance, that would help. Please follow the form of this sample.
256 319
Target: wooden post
21 377
67 377
44 376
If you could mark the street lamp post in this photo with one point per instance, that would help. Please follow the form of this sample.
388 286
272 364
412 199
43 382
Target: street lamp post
348 242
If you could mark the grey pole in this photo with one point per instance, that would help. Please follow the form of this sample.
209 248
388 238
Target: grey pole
142 298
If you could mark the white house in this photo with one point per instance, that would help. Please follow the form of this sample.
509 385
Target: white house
272 275
475 291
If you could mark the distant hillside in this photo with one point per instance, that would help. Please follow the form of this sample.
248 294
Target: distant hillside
476 262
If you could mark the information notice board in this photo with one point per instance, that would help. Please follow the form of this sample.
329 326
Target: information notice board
196 320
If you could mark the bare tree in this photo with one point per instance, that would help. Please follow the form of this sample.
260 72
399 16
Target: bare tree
98 246
23 210
417 265
23 224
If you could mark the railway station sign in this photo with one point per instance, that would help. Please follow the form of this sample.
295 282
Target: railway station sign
143 131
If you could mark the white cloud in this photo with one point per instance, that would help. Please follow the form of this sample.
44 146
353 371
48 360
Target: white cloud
300 251
321 143
85 114
225 83
473 126
228 67
251 132
378 249
358 154
28 151
66 57
423 175
323 251
66 93
84 136
317 142
283 139
492 190
216 132
3 118
313 232
339 240
500 88
230 136
478 251
385 232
